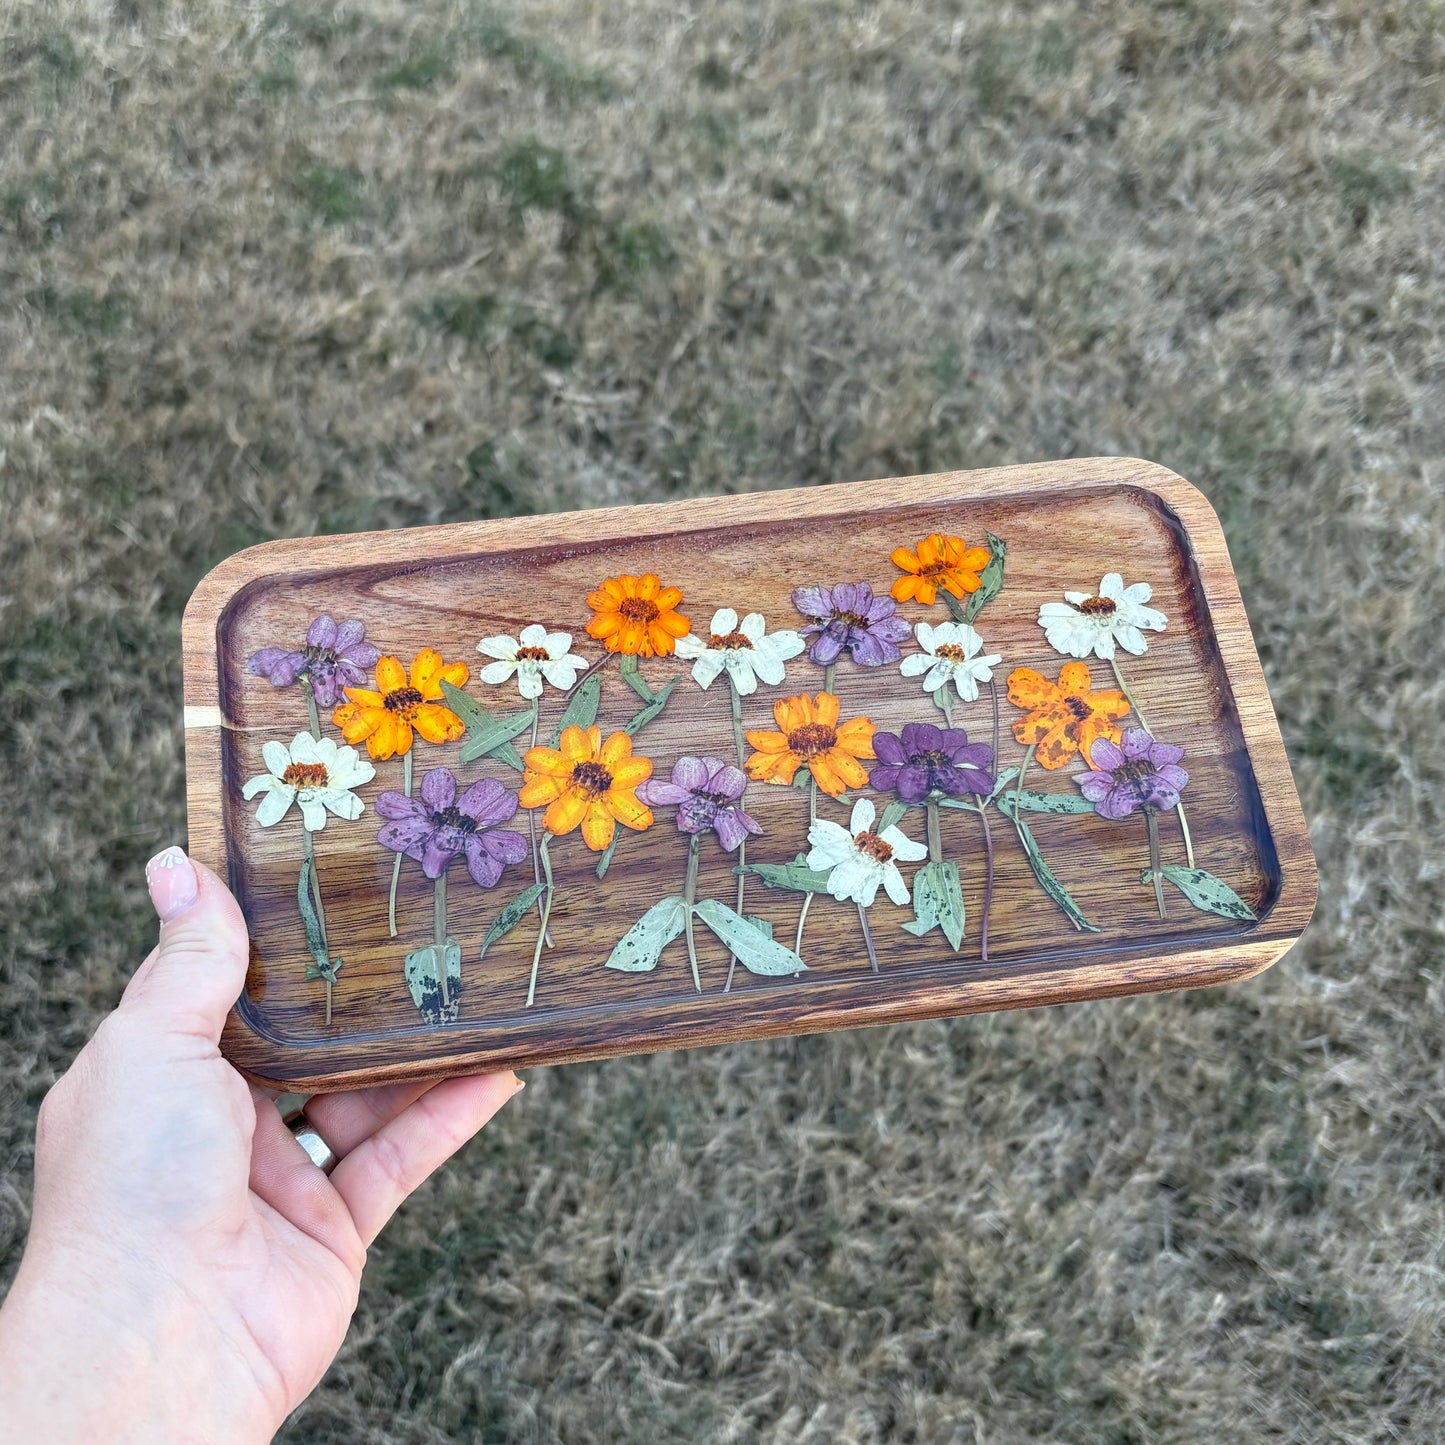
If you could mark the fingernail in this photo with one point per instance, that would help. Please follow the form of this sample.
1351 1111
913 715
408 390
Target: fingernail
172 883
521 1084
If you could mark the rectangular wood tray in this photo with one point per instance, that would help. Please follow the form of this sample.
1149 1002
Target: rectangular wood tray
1066 525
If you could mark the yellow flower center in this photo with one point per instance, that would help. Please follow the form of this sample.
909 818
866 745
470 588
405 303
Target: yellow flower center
873 846
727 641
811 739
592 778
638 609
533 654
950 650
1078 707
306 775
405 700
1098 607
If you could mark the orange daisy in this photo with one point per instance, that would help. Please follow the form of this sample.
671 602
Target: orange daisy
387 717
947 562
637 616
812 737
1064 718
589 782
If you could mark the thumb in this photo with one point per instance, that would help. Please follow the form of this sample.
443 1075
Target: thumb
197 971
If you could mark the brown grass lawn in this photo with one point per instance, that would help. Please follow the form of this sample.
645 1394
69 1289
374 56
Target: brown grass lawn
271 269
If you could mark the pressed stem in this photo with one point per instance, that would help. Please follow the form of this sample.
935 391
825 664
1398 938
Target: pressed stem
868 938
993 692
396 866
532 826
1151 822
310 852
311 705
947 705
812 799
439 931
988 881
1144 723
546 915
802 919
935 832
741 745
1019 781
689 894
830 677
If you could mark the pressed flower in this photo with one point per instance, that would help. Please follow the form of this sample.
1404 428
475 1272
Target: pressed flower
946 562
849 618
400 705
812 737
1135 773
536 655
1065 717
315 774
1084 625
745 650
332 659
950 655
637 616
589 783
438 825
708 794
925 759
858 859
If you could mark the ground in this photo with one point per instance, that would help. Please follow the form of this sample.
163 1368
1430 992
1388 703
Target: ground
269 270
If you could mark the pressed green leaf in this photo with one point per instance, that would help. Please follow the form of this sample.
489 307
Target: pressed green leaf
795 875
512 915
1032 802
471 712
940 699
990 579
892 814
605 861
756 953
937 902
581 709
638 949
423 977
627 666
1046 879
1206 892
925 904
761 924
491 731
309 920
640 719
506 753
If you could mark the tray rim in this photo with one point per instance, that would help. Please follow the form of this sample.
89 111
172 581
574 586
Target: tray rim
1156 968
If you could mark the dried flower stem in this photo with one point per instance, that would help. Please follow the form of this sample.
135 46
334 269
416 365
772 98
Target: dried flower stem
546 915
830 677
689 895
309 851
311 705
1151 822
439 931
1143 723
988 882
396 866
739 742
868 938
532 829
935 833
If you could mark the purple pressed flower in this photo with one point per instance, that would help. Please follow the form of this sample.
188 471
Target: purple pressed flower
438 825
849 618
333 658
1140 774
926 759
708 793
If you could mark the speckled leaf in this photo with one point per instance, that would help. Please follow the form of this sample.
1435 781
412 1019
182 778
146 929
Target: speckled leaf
937 902
1045 876
990 579
511 915
638 950
320 966
892 814
605 861
1206 892
756 954
486 732
581 709
423 978
1032 802
795 875
640 719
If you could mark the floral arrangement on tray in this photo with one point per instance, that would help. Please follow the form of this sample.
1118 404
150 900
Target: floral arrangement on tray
585 785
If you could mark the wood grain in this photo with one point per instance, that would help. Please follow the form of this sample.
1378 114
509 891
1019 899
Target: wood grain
1066 524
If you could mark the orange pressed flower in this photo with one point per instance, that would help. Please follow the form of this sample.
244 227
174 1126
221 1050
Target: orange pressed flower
1064 718
637 616
947 562
812 737
585 780
387 717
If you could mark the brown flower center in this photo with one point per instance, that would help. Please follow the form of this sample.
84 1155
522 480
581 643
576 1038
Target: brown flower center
873 846
453 817
728 641
404 700
1134 770
306 775
934 569
592 778
1098 607
852 619
533 654
952 651
811 739
1078 707
638 609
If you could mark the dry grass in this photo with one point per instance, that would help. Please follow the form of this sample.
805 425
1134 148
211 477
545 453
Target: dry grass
275 269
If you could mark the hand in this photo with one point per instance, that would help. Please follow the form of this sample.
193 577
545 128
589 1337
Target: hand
190 1273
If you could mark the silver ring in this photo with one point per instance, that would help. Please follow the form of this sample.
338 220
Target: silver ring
320 1153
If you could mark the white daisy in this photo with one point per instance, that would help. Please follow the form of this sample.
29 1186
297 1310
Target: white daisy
859 858
949 655
748 652
1085 625
533 656
313 773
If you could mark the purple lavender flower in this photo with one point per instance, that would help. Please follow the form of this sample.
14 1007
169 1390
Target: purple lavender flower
849 618
927 759
1140 774
438 825
333 658
707 792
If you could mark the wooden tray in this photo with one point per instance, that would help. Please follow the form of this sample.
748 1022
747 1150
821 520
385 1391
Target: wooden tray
1065 525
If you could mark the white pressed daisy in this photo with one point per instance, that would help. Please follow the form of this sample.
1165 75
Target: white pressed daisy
313 773
534 655
746 650
859 858
1083 626
950 655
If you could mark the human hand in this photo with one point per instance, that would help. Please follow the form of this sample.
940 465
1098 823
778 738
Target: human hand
190 1273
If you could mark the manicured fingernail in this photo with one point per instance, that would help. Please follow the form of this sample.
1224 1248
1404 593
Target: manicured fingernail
172 883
